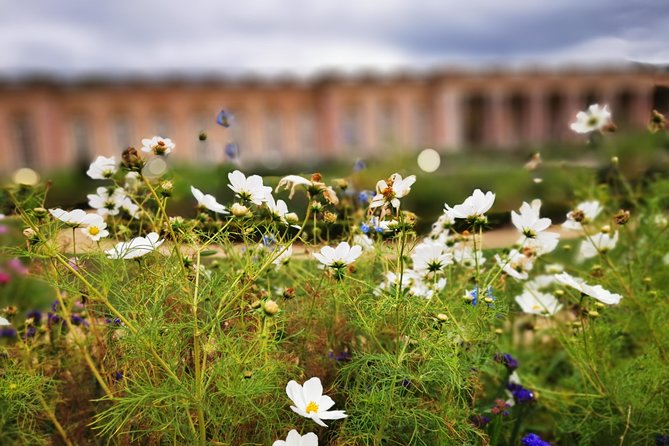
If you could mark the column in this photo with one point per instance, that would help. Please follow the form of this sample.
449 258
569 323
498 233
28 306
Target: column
498 119
538 116
447 122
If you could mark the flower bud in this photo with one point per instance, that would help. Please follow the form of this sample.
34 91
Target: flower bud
316 206
441 317
29 233
289 293
202 136
614 160
271 308
166 188
341 183
40 212
239 210
499 331
131 159
329 217
248 374
291 218
622 217
593 313
316 177
606 229
256 304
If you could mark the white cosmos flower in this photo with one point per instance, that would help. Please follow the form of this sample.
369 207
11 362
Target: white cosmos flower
251 188
284 257
366 243
586 211
96 229
594 118
474 207
528 221
4 322
535 302
465 256
136 247
598 243
157 145
442 225
277 208
430 257
338 257
292 181
516 264
426 288
391 190
208 201
595 291
310 402
104 203
76 217
102 168
295 439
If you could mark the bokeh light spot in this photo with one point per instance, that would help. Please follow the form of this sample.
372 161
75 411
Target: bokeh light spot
26 177
429 160
155 167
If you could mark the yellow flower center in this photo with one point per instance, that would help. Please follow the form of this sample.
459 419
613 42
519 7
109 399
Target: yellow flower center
94 230
312 407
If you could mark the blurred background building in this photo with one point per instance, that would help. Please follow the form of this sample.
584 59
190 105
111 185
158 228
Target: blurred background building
48 123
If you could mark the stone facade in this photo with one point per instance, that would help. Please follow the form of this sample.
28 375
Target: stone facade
47 123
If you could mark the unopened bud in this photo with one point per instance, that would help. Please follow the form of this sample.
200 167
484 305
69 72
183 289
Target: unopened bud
341 183
271 308
614 160
441 317
291 218
499 331
622 217
202 136
166 188
29 233
248 374
289 293
329 217
593 313
256 304
39 212
239 210
316 177
606 229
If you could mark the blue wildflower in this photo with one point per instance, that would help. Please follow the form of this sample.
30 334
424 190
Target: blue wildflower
359 165
521 395
30 332
224 118
232 151
7 332
475 295
533 440
364 197
118 375
479 420
54 306
78 320
268 240
36 316
507 360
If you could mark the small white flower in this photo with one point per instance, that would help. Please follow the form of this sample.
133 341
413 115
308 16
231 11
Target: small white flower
4 322
105 203
366 243
516 264
338 257
310 402
442 225
295 439
465 256
76 217
284 257
102 168
278 209
96 229
595 118
208 201
534 302
586 211
595 291
391 190
136 247
598 243
157 145
292 181
251 188
528 221
430 257
474 207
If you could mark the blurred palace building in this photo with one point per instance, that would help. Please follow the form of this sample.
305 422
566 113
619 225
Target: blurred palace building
48 123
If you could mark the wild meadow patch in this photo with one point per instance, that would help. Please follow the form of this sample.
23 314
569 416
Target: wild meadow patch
246 323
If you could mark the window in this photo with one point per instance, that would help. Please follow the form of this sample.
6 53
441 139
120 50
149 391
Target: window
122 132
351 127
81 139
25 140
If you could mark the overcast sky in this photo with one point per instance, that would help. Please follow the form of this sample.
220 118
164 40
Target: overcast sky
81 37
